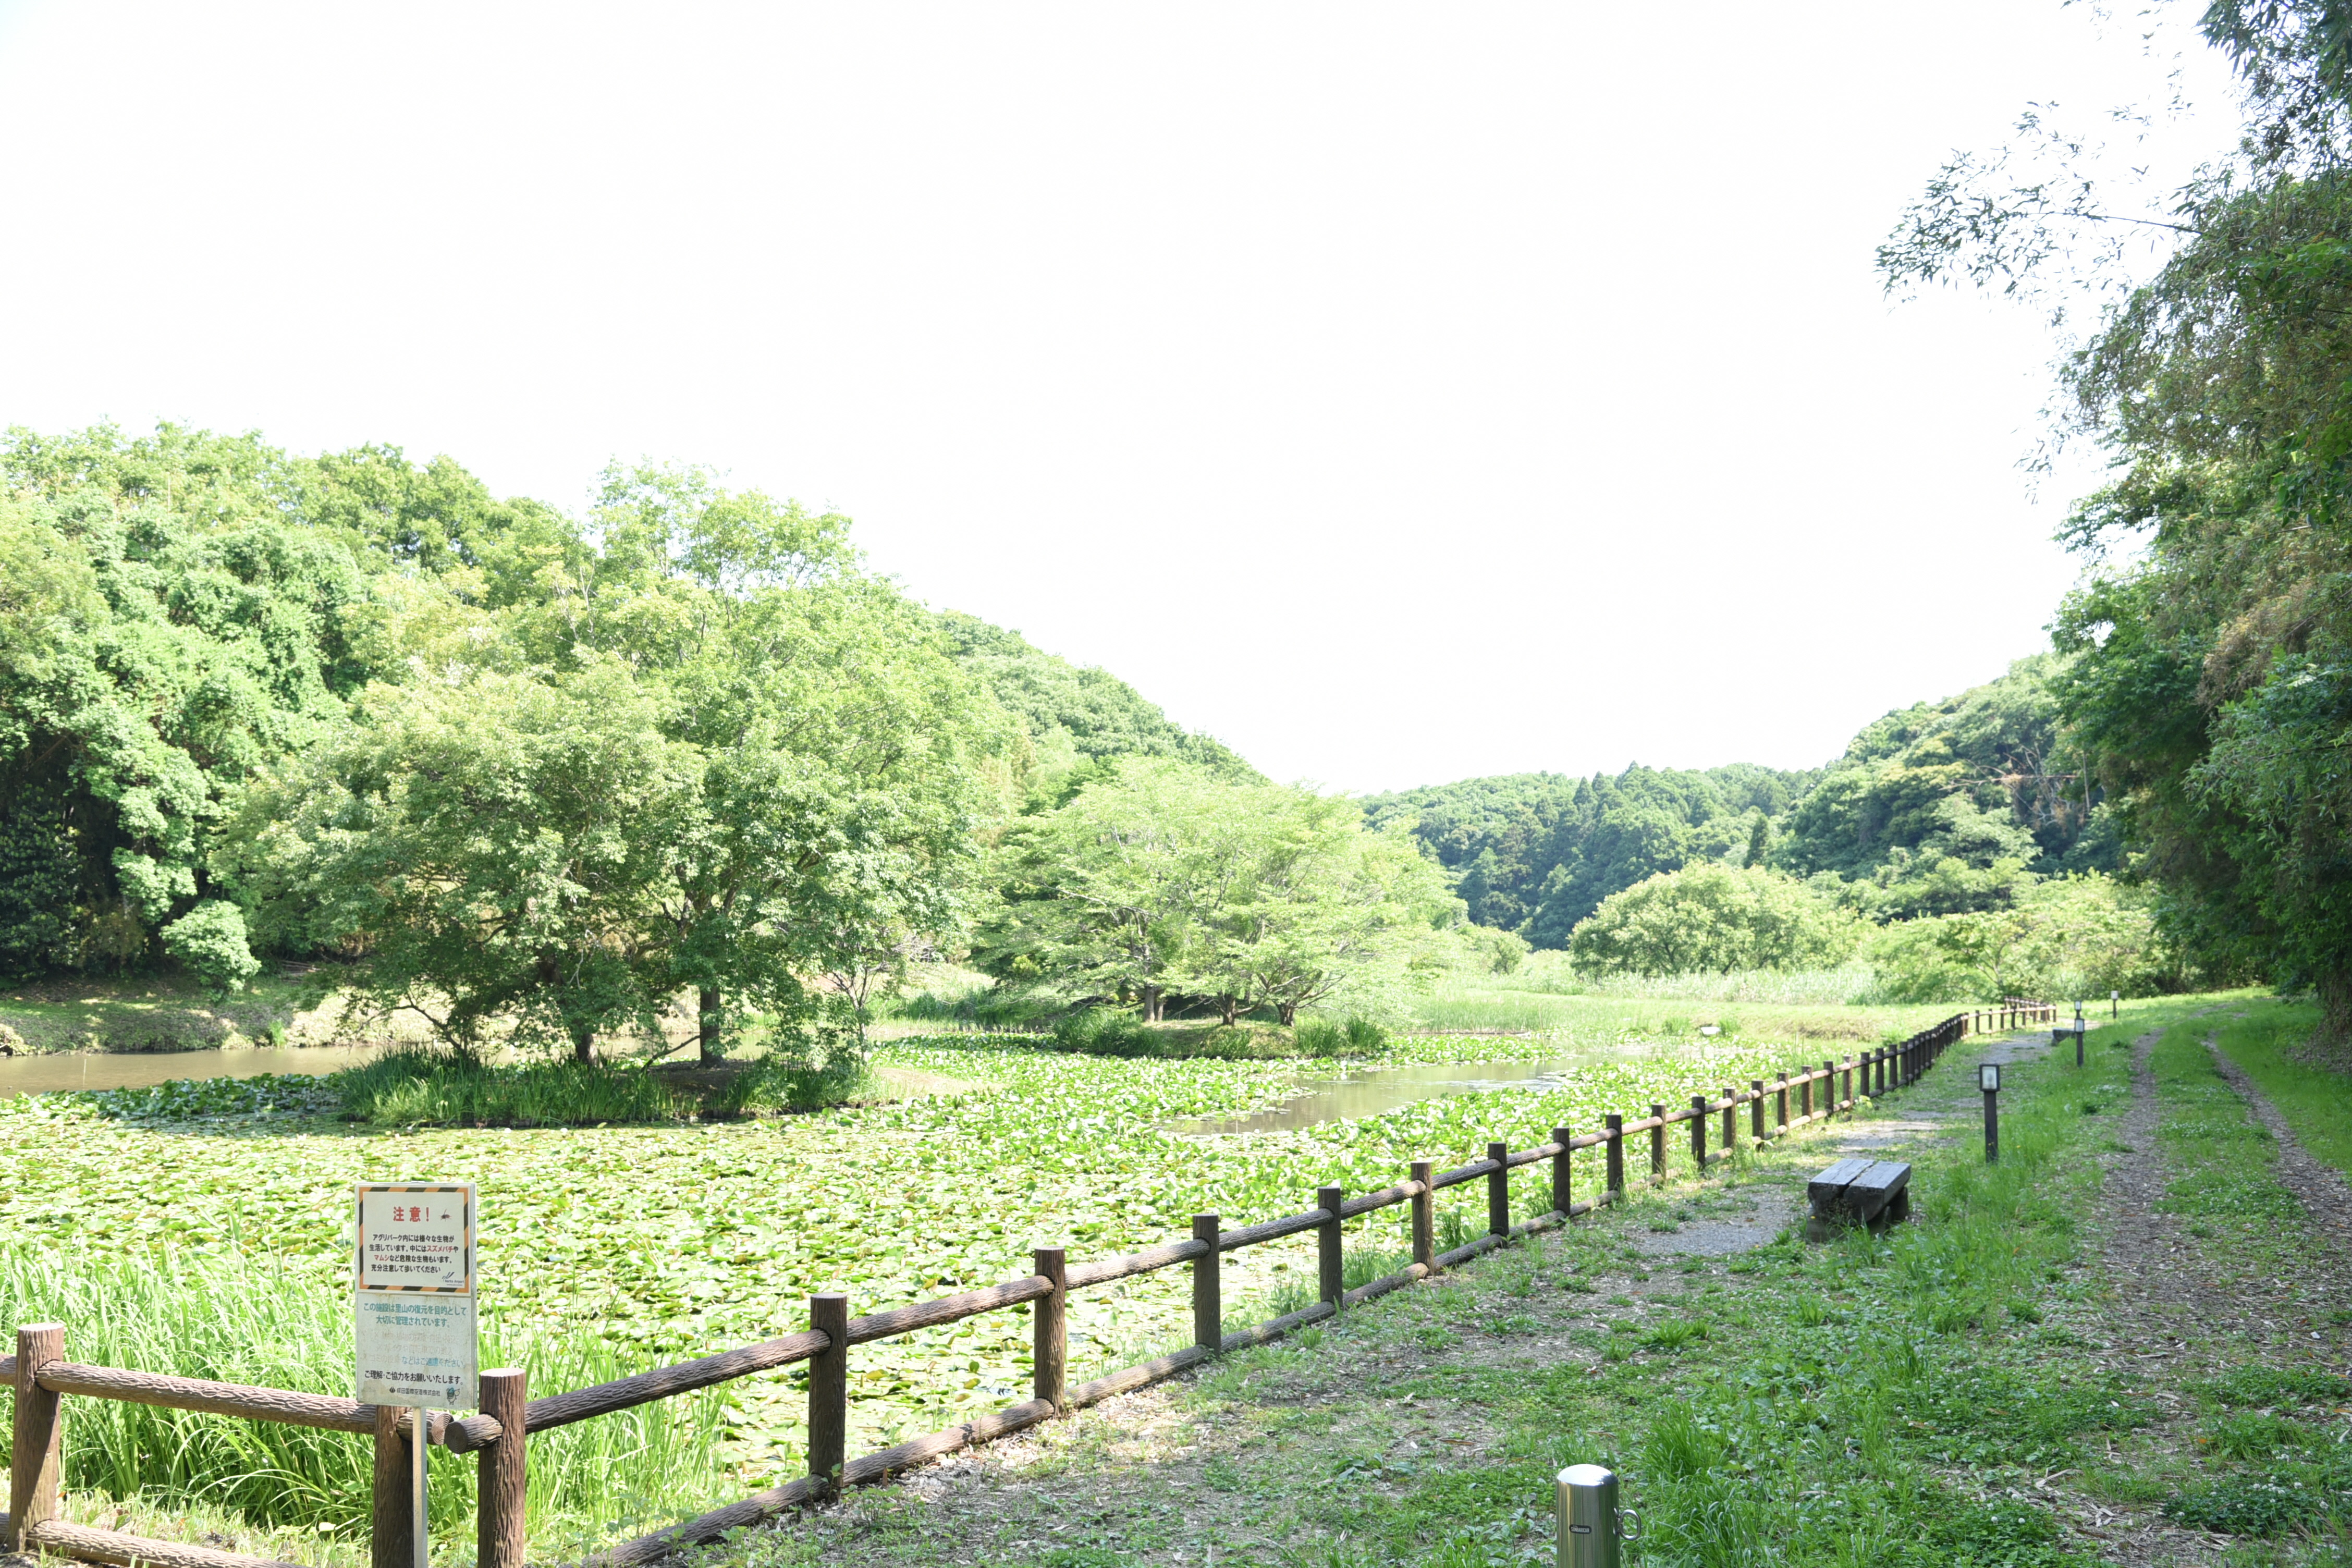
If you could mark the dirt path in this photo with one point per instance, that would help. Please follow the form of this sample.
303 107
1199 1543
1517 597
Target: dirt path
2181 1307
2326 1195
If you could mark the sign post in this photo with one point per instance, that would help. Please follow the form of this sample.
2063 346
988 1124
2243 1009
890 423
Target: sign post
413 1302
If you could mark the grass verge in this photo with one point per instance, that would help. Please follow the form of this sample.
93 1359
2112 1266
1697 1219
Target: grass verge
2270 1044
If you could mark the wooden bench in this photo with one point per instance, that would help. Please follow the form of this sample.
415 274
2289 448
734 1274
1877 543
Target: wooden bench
1874 1192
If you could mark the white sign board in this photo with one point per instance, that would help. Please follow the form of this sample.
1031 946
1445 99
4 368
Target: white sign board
413 1274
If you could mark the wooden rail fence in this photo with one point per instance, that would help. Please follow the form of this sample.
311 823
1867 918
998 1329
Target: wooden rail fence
41 1375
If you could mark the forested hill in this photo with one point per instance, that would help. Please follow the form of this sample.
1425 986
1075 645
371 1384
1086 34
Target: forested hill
1932 809
1536 852
1077 715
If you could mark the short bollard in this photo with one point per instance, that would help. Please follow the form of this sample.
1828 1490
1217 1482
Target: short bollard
2114 1003
1988 1080
1592 1525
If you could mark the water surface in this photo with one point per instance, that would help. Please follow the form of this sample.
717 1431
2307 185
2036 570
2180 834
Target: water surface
145 1070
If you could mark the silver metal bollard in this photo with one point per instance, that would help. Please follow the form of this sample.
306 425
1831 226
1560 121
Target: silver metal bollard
1590 1523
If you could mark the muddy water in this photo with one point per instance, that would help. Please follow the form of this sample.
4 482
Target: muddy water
39 1075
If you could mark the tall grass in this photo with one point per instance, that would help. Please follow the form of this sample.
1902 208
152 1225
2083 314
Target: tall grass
235 1318
427 1087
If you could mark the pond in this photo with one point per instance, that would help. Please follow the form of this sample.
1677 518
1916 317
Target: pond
144 1069
1378 1089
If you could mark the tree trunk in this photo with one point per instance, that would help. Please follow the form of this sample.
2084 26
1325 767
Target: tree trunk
1152 1004
2335 988
711 1018
1287 1012
1232 1009
584 1047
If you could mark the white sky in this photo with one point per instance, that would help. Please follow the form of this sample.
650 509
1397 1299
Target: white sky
1400 394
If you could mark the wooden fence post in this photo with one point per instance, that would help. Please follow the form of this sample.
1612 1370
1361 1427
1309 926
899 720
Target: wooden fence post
828 1394
1498 1191
1424 1214
1614 1125
1730 1120
1050 1345
503 1473
1698 1133
37 1440
1756 1110
1658 1144
392 1539
1562 1198
1829 1090
1781 1094
1848 1096
1804 1096
1208 1285
1330 1269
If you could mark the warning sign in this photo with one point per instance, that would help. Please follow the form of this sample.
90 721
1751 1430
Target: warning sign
412 1273
416 1238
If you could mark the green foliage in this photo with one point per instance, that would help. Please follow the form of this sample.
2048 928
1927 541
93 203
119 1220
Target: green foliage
209 941
1713 917
1160 879
2208 642
1536 853
434 1088
1076 718
2079 937
228 1314
1944 806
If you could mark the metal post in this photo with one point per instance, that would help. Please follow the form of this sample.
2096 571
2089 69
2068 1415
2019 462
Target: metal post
421 1555
1591 1524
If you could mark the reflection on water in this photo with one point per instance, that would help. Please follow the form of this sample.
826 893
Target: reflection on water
1372 1092
97 1069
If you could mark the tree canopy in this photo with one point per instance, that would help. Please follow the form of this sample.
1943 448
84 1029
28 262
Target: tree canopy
2211 640
1713 917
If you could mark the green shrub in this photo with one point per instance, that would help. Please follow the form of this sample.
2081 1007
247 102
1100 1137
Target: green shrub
786 1083
1713 917
1319 1037
1106 1032
209 941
